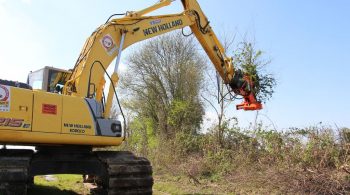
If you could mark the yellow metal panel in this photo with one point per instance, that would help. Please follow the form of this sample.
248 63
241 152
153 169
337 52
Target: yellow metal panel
16 108
77 117
35 138
47 113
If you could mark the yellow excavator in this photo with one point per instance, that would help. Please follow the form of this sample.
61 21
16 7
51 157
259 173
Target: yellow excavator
65 114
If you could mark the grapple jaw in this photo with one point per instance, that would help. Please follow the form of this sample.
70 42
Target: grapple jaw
249 104
243 85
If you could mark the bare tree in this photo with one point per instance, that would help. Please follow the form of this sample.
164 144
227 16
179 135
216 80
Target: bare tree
163 80
252 62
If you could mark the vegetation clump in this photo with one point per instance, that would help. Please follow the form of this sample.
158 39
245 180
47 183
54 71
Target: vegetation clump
166 98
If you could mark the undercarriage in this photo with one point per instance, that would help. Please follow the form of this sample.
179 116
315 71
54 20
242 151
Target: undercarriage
113 172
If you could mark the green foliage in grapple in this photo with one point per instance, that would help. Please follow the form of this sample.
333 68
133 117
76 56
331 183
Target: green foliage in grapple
252 63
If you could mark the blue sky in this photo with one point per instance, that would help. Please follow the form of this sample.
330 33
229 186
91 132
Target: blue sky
308 42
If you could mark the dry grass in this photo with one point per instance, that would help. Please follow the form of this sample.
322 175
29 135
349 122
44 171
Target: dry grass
311 161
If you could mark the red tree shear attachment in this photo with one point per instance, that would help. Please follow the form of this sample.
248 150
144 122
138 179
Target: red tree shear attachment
244 86
249 103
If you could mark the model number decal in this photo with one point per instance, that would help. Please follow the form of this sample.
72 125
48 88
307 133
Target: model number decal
13 122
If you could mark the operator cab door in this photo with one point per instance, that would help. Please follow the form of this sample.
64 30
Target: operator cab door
47 112
15 108
47 84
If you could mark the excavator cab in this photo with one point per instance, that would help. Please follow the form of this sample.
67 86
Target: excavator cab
48 79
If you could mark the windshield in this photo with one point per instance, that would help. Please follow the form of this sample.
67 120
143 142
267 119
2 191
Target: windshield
35 79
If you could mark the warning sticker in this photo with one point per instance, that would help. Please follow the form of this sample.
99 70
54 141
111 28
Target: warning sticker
49 109
109 44
5 98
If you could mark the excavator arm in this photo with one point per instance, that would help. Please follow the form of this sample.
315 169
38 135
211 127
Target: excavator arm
240 83
109 40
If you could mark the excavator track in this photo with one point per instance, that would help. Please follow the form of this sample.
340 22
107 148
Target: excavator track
116 172
126 174
14 171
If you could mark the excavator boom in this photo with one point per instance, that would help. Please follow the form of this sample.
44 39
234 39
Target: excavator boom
109 40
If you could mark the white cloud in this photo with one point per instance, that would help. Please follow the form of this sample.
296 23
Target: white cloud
2 9
21 49
122 68
27 1
210 118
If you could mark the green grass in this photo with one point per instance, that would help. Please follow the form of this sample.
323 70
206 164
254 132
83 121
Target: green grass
163 185
62 185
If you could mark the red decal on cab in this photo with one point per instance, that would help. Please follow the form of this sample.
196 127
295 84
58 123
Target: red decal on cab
49 109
